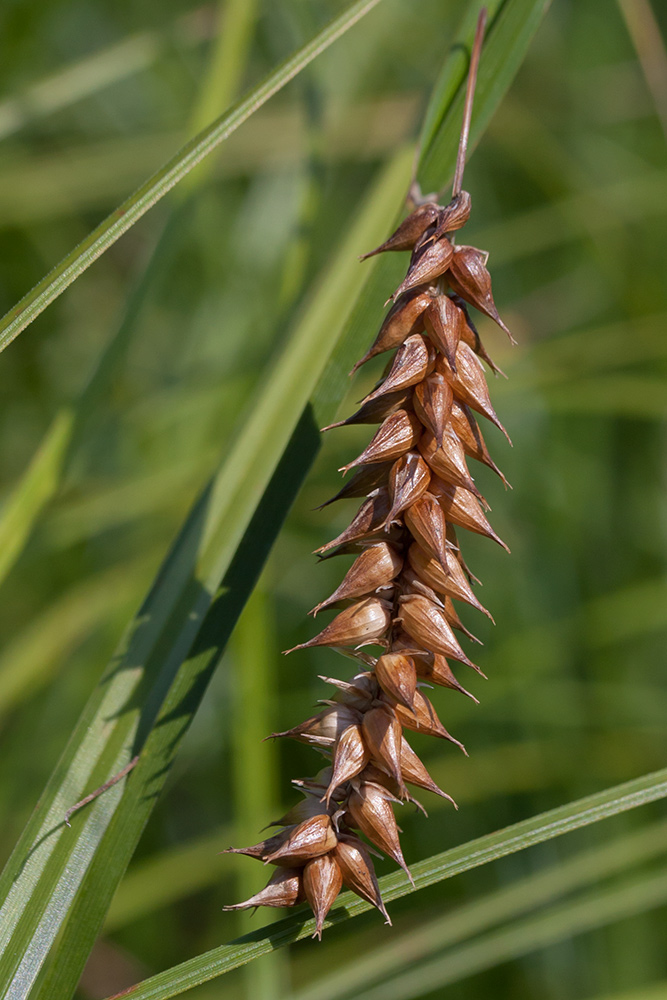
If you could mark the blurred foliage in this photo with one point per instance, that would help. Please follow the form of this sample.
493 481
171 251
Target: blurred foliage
568 189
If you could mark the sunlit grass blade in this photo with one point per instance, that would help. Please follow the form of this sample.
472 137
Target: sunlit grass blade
595 909
462 922
536 830
151 690
161 182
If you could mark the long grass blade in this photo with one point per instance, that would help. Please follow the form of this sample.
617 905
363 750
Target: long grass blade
518 837
161 182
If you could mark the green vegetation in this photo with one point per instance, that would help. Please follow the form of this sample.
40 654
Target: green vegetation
174 391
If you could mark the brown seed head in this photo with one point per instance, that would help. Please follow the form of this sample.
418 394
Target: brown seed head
397 676
398 434
403 319
284 888
427 266
371 811
322 881
310 839
377 566
410 230
358 872
350 759
470 279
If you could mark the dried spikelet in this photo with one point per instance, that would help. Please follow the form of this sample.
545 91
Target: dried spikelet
408 569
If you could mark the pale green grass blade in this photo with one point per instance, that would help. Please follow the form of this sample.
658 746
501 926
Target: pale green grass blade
504 905
161 182
595 909
148 696
535 830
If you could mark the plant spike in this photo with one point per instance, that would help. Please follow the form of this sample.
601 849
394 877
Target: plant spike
398 594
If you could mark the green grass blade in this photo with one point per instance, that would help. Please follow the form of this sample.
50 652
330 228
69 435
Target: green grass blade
594 909
157 186
504 905
536 830
150 691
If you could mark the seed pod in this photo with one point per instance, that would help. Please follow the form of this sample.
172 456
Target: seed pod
453 583
471 337
426 523
427 266
454 216
398 434
423 718
284 888
432 401
322 881
452 617
365 480
375 567
408 480
358 872
415 773
350 759
370 810
370 517
323 729
469 384
382 735
429 628
467 430
470 279
362 623
461 507
444 321
265 848
410 230
376 410
310 839
448 460
436 670
397 676
403 319
412 362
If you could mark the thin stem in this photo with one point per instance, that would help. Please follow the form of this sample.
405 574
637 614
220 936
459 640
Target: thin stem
467 110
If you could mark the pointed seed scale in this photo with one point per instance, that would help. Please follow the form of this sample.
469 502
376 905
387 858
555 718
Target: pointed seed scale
415 773
382 735
429 628
372 813
423 718
452 617
322 881
461 508
438 671
397 677
323 729
350 758
426 523
412 362
358 871
403 319
470 279
467 431
410 583
310 839
453 583
455 215
408 480
447 461
360 624
369 518
375 411
469 384
265 847
443 321
428 266
397 434
410 230
366 479
432 401
284 888
377 565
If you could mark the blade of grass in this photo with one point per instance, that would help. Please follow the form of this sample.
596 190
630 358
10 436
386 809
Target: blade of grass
157 186
462 922
147 698
595 909
536 830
